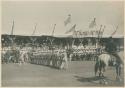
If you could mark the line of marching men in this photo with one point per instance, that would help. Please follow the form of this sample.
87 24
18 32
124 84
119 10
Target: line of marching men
55 60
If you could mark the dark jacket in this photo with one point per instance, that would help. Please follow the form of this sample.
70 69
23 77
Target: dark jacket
111 46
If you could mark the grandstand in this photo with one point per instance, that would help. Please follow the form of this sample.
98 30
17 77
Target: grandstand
58 41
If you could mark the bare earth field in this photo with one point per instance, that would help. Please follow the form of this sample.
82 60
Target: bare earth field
79 74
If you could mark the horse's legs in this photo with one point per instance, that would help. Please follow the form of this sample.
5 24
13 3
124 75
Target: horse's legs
118 72
96 68
101 71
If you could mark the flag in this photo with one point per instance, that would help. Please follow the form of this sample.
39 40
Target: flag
114 31
34 30
68 20
12 28
71 29
93 23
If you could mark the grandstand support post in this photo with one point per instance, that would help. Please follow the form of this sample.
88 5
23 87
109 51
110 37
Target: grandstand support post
81 41
67 40
73 41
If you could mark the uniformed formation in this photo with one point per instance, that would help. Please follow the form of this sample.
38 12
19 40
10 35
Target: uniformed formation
50 58
57 58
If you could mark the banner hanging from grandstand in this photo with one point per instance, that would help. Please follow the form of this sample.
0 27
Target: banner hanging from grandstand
88 33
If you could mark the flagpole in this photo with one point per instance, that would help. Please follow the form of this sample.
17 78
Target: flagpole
114 31
52 39
66 22
33 39
12 39
102 31
34 29
53 29
12 28
99 33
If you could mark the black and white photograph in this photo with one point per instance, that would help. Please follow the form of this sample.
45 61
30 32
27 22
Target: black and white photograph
62 43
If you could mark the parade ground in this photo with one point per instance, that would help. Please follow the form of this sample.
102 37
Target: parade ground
78 74
62 44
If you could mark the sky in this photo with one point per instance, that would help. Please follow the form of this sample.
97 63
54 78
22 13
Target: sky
26 14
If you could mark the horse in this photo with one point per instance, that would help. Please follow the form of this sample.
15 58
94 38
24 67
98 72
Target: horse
102 63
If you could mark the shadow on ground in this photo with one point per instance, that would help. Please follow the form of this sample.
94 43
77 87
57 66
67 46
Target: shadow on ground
96 80
93 79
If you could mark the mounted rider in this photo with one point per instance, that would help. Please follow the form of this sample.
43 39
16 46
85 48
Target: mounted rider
111 48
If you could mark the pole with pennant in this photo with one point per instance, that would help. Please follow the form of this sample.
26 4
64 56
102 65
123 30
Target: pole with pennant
12 28
53 29
34 29
114 31
12 38
52 39
33 39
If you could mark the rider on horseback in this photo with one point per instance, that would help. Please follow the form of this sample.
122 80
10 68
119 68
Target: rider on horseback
111 48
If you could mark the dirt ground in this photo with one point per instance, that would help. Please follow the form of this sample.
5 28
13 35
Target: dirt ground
78 74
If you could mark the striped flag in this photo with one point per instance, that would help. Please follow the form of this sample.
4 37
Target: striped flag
71 29
114 31
12 28
93 23
68 20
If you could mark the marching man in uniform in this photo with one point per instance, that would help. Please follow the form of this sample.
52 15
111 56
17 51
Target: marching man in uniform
64 64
